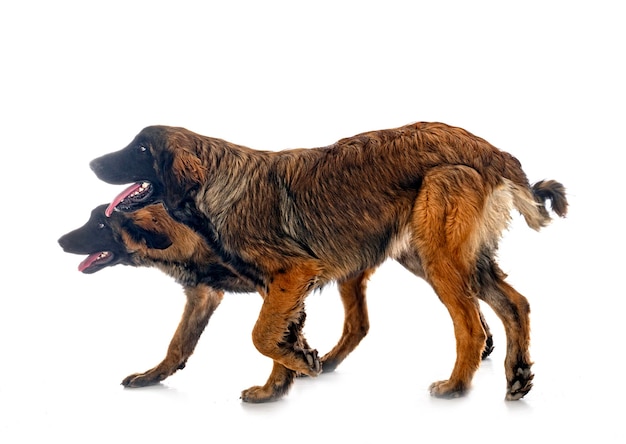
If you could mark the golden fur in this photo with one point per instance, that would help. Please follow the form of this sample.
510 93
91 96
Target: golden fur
433 197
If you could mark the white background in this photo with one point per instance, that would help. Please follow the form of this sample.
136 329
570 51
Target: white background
543 80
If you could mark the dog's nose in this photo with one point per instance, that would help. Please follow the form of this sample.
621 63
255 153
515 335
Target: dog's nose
62 241
94 165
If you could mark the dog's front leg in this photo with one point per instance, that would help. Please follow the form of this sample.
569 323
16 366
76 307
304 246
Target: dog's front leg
277 385
356 321
201 303
278 333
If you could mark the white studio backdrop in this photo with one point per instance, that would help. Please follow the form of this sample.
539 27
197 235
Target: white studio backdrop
542 80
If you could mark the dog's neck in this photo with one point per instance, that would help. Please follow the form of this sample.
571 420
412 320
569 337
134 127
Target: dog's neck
188 214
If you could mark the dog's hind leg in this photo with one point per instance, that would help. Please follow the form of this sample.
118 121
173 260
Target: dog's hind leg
201 303
412 262
356 322
447 226
513 310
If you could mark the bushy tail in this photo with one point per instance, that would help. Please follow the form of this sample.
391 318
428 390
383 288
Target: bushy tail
535 211
553 191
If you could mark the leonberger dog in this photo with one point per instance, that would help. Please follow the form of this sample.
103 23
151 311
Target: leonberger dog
433 197
149 237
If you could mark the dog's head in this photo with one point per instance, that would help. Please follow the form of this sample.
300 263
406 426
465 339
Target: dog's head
109 241
162 163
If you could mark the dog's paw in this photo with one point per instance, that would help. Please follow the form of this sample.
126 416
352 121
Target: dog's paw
137 380
488 348
311 360
329 364
447 389
520 385
259 394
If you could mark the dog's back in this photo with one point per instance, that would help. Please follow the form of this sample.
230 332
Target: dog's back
350 203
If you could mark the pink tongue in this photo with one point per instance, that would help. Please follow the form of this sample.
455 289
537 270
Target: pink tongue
87 262
120 197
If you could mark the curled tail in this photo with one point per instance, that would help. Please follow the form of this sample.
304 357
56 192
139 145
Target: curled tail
553 191
531 202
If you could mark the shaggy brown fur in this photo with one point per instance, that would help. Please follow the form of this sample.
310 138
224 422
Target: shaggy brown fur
150 238
434 197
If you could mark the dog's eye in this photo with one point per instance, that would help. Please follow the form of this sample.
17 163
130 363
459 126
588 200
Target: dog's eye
100 226
142 148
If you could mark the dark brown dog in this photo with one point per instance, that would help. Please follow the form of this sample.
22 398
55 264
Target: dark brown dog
433 197
150 238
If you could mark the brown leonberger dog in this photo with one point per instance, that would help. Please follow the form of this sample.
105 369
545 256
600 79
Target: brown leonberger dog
433 197
149 237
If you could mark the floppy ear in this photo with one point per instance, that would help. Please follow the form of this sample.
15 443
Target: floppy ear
154 240
182 172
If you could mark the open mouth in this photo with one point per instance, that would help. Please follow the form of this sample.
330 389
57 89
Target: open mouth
132 196
94 260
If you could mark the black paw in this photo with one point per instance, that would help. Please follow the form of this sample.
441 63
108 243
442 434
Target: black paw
329 365
488 348
521 383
